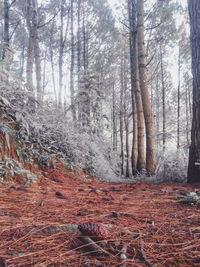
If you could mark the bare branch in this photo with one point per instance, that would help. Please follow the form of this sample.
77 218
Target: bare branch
44 24
17 24
154 27
11 3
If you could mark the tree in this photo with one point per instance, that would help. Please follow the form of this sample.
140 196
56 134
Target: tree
149 122
194 153
32 24
72 62
136 93
6 35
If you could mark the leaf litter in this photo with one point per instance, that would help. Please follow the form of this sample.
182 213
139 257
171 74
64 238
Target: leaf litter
147 225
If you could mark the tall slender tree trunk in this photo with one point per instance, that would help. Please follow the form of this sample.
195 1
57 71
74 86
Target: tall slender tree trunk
157 114
179 99
189 99
163 99
32 28
187 115
79 38
122 114
6 24
85 39
194 154
128 169
134 85
22 61
114 121
38 70
60 60
72 62
148 116
44 83
52 64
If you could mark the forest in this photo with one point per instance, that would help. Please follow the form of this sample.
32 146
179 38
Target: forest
99 133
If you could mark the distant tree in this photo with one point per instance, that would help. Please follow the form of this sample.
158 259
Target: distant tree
194 155
32 25
72 63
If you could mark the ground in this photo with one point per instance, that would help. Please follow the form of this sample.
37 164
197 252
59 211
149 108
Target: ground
145 218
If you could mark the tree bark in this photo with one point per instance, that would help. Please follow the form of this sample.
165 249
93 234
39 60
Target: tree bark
163 98
52 63
122 114
6 23
136 85
148 116
60 60
178 99
32 28
128 172
194 153
38 70
72 63
85 40
22 60
187 115
79 38
114 121
134 154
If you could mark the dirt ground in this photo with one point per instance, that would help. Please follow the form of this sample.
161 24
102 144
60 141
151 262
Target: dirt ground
145 221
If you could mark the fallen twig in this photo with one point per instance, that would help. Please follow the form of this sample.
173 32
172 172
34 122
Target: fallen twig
143 254
92 246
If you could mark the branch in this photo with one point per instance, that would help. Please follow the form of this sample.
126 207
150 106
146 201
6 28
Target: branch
144 257
11 3
17 24
151 59
42 25
153 27
92 246
124 24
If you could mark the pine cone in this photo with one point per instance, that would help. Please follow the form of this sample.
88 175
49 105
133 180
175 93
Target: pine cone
96 231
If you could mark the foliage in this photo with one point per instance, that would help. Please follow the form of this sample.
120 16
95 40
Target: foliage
46 133
171 166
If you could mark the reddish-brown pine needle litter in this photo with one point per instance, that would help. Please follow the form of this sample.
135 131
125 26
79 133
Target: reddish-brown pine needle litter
166 231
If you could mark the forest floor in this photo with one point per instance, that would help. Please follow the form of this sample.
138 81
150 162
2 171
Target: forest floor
149 225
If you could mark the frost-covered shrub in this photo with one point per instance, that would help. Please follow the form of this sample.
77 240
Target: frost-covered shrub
171 166
47 132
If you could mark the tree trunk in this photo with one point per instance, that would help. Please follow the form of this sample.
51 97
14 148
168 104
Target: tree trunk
128 172
52 64
22 60
163 99
187 115
72 63
134 155
178 100
149 122
38 70
122 115
194 154
44 83
79 38
85 40
136 84
32 28
157 114
60 60
114 121
6 23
